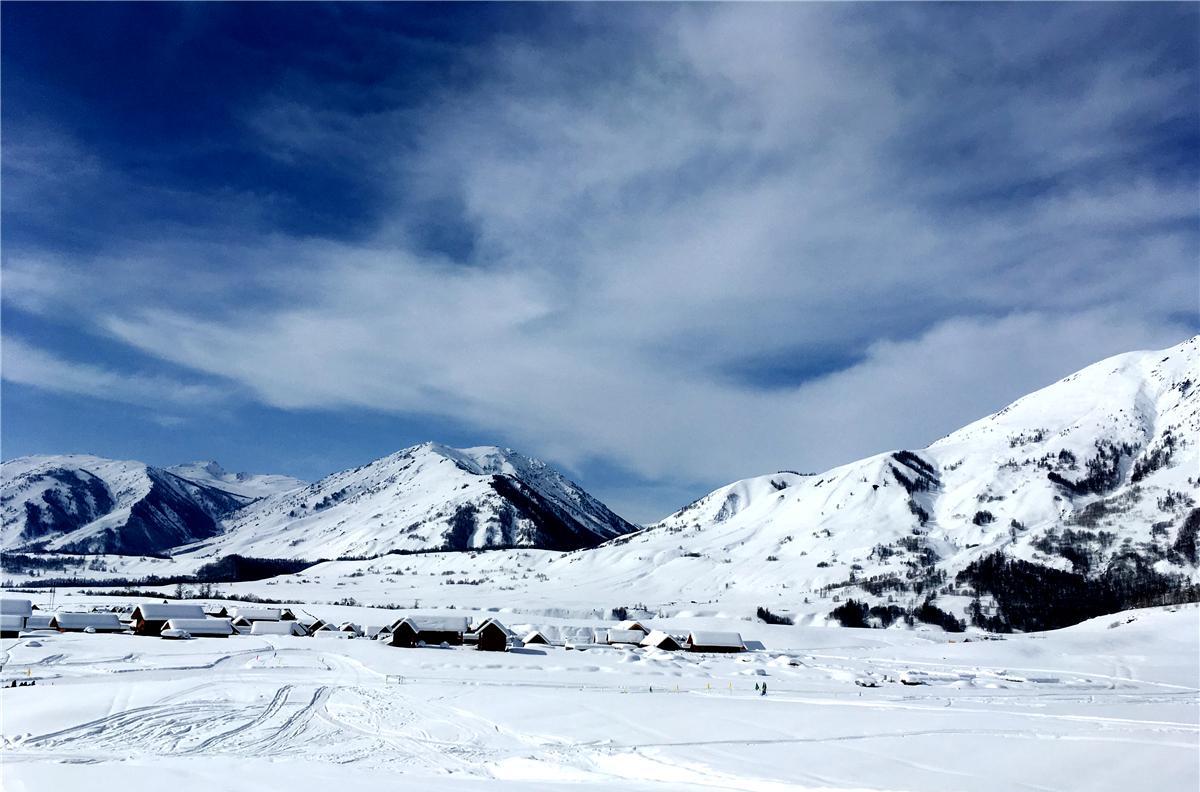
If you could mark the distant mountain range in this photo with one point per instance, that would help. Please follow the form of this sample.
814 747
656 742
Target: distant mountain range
87 504
1093 478
428 497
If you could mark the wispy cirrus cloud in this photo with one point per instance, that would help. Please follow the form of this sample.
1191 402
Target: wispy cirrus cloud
26 364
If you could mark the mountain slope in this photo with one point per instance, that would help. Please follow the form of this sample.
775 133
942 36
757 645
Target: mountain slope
246 485
1093 476
89 504
423 498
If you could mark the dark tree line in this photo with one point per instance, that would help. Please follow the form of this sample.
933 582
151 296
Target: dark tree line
853 613
1032 597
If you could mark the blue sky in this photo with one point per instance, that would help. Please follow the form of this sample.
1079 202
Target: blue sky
661 246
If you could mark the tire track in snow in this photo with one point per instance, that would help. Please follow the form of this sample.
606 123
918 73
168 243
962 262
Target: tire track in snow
273 706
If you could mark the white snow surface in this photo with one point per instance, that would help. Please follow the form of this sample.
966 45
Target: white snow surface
248 485
1110 704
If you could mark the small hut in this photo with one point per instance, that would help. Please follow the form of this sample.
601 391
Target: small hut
710 641
535 637
492 636
320 625
198 628
630 624
150 618
287 615
87 622
13 614
352 628
429 630
661 640
11 625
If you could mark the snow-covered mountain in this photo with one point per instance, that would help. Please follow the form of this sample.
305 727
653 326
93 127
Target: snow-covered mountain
423 498
1081 495
89 504
1094 475
246 485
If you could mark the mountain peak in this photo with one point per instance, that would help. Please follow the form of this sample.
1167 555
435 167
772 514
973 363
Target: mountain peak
427 496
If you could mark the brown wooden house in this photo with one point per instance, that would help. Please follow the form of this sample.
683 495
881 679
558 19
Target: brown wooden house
151 617
492 636
428 630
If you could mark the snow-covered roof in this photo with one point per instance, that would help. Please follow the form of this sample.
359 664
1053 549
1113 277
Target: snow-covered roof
460 624
624 636
201 626
535 635
257 614
630 624
11 622
80 621
277 628
729 640
494 623
659 638
38 621
162 611
15 607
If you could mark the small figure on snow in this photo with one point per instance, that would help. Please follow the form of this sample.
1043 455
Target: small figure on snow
763 692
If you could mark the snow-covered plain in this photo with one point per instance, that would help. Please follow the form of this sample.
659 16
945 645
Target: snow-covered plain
1108 704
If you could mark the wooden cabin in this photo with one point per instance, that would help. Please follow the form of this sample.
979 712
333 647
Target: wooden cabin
630 624
661 640
198 628
535 637
711 641
429 630
87 622
320 625
11 625
13 615
150 618
492 636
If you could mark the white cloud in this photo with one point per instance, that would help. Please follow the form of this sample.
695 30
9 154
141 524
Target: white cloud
24 364
752 182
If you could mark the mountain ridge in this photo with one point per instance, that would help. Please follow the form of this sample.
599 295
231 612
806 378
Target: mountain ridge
1086 488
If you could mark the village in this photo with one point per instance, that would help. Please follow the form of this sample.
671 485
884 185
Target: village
112 691
182 621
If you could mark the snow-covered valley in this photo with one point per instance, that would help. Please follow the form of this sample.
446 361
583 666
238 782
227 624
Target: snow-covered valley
1107 704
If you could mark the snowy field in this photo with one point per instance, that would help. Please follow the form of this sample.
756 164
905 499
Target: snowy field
1109 704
